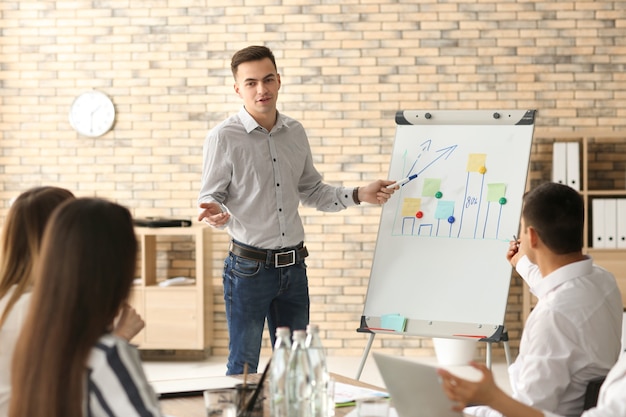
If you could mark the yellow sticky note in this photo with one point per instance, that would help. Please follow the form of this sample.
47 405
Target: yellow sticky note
410 206
476 162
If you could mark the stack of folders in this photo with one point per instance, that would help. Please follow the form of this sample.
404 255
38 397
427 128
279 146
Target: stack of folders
566 164
608 223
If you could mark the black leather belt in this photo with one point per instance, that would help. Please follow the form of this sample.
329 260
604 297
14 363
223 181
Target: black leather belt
280 258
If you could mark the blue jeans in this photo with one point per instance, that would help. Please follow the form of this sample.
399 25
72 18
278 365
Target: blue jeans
253 292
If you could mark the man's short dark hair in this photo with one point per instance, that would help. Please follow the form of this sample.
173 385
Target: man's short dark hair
251 53
557 213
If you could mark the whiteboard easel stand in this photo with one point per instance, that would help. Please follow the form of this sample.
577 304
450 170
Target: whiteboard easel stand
365 352
501 335
475 158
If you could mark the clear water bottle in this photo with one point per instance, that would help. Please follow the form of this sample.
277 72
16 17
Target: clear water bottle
278 373
299 387
320 403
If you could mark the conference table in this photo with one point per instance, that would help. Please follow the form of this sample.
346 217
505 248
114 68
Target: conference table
194 406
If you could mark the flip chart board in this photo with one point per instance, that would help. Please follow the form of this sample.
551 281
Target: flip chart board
440 267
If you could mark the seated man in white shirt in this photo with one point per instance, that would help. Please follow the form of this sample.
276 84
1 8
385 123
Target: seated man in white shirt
611 400
573 335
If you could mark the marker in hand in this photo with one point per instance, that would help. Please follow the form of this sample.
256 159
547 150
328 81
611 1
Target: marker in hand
516 241
402 181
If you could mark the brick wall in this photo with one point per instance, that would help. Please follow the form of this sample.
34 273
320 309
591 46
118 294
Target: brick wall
346 67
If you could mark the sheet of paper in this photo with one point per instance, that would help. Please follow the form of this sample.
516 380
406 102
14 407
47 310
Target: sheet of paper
345 394
392 413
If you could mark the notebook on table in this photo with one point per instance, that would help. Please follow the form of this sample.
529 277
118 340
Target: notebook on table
191 386
415 388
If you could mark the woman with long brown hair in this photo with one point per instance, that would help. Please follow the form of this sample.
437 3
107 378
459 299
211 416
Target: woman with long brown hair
67 361
21 239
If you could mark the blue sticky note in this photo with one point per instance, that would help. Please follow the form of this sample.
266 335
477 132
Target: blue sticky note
393 322
444 209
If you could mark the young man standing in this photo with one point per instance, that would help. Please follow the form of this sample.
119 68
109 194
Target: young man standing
573 335
257 169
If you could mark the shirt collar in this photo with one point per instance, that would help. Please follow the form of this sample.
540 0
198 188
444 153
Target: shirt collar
562 275
250 124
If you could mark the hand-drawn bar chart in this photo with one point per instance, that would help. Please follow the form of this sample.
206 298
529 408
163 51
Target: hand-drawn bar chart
443 200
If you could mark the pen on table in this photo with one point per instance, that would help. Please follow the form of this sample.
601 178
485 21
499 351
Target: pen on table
402 181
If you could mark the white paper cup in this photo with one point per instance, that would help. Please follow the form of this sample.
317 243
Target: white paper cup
452 352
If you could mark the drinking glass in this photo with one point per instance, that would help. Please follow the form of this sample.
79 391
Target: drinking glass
220 402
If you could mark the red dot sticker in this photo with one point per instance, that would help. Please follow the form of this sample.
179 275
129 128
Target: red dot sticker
419 214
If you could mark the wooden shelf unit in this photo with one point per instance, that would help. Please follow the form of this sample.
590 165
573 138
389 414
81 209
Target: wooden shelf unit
603 175
177 317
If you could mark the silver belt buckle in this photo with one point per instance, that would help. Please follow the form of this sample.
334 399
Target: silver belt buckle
292 259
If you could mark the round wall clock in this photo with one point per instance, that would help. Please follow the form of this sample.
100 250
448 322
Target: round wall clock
92 114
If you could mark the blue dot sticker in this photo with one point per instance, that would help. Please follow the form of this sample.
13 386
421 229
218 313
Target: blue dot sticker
451 219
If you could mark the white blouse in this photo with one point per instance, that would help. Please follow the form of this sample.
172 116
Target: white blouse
8 337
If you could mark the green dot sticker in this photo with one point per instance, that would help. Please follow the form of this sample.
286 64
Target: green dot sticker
502 201
438 194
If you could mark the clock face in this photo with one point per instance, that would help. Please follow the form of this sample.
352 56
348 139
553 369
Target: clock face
92 114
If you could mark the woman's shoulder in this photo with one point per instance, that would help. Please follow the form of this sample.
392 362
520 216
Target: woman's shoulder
18 310
24 298
111 349
115 372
